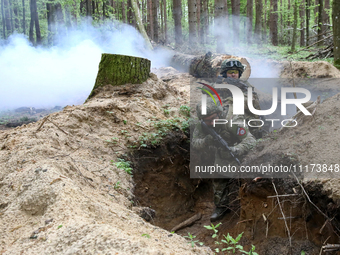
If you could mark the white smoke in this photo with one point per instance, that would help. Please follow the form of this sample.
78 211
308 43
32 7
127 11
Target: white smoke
260 66
64 74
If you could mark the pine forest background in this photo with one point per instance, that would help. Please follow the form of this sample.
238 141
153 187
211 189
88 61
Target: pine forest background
290 23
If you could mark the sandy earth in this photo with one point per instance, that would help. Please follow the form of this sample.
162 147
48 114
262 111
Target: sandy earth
57 183
59 190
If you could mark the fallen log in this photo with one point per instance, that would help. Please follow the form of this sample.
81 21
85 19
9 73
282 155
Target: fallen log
117 70
206 66
187 222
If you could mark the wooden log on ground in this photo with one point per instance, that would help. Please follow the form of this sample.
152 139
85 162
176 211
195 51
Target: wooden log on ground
118 70
187 222
206 66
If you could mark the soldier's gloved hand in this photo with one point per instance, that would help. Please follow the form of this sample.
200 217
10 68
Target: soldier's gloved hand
209 141
236 151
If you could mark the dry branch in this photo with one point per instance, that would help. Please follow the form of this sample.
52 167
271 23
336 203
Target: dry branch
283 215
187 222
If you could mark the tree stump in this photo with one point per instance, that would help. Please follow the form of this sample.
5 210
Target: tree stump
118 70
206 66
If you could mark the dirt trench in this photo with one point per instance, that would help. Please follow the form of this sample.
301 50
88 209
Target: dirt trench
163 184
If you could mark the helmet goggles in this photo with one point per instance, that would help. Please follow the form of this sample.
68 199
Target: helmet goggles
232 71
233 63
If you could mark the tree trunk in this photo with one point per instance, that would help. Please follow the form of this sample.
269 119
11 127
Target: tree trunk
88 8
336 32
206 66
123 12
273 22
307 21
11 15
50 22
249 21
31 38
302 24
203 20
150 19
177 16
139 22
236 21
321 28
219 23
117 70
36 21
198 19
192 22
16 16
7 17
155 7
326 10
165 23
258 20
295 25
3 19
264 23
23 17
316 9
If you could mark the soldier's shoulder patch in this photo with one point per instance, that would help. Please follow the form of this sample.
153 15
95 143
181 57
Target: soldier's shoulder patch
241 131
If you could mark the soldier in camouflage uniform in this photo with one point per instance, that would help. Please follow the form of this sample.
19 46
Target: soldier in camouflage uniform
231 71
239 139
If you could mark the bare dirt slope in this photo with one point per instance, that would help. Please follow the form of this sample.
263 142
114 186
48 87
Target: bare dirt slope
60 192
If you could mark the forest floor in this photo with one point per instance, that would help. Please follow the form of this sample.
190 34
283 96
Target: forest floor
111 177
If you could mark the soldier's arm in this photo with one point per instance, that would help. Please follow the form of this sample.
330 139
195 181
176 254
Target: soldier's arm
198 139
246 141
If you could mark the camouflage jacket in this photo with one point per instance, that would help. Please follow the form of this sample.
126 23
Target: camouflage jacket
236 135
227 99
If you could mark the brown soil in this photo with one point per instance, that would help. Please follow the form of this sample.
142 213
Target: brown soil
61 194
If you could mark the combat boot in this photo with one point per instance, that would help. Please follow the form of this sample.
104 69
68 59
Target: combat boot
218 213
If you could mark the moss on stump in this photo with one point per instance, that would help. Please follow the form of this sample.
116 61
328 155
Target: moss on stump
117 70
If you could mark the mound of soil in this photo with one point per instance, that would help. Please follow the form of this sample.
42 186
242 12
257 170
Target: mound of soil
61 191
65 186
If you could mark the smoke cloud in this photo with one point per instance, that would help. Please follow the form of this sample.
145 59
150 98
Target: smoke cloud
64 74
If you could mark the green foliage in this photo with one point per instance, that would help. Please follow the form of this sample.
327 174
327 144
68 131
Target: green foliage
232 243
192 241
117 185
122 164
185 110
146 235
214 228
113 140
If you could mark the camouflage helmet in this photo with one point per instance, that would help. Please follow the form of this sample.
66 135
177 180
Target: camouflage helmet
231 64
211 108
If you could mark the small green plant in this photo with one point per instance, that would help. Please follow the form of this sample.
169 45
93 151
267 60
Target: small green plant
232 243
117 185
252 251
192 241
125 165
166 112
60 226
185 110
146 235
125 121
303 252
113 140
214 228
